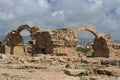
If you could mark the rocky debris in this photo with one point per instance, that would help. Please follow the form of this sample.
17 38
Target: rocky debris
108 71
90 60
11 59
30 67
99 78
70 65
84 68
76 72
110 62
3 56
54 60
101 61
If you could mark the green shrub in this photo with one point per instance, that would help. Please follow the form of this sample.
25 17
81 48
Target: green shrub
83 74
84 50
22 67
100 66
92 78
5 74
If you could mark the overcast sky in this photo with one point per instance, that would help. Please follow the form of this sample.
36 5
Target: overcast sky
103 15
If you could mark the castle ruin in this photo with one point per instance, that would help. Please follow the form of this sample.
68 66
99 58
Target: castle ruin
59 42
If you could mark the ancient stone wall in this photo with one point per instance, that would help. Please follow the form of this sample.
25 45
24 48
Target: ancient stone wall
57 42
2 48
103 45
64 41
14 41
60 42
100 46
43 43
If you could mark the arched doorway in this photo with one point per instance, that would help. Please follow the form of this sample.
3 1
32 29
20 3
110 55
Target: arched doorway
26 44
89 29
26 39
17 42
86 44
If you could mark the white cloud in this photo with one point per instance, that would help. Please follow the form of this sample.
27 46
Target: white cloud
103 15
6 16
110 24
118 11
43 3
59 15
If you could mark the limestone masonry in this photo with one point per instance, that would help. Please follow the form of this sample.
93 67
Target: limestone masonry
59 42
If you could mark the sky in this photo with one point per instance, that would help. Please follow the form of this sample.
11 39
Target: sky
102 15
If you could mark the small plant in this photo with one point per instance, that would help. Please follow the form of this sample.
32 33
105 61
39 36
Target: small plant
84 50
22 67
5 74
92 78
14 76
17 76
83 74
30 71
100 66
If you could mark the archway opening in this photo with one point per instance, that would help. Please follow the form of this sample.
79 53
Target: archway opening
85 43
26 36
26 40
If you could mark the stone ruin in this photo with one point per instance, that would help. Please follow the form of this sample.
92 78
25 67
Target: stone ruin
59 42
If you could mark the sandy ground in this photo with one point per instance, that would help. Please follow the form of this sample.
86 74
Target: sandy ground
9 72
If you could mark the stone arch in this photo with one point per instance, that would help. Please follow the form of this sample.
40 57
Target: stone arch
87 28
96 41
32 30
22 27
14 40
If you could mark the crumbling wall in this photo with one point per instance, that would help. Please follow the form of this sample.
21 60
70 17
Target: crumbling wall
100 46
43 43
2 48
116 50
14 41
60 42
103 45
64 42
